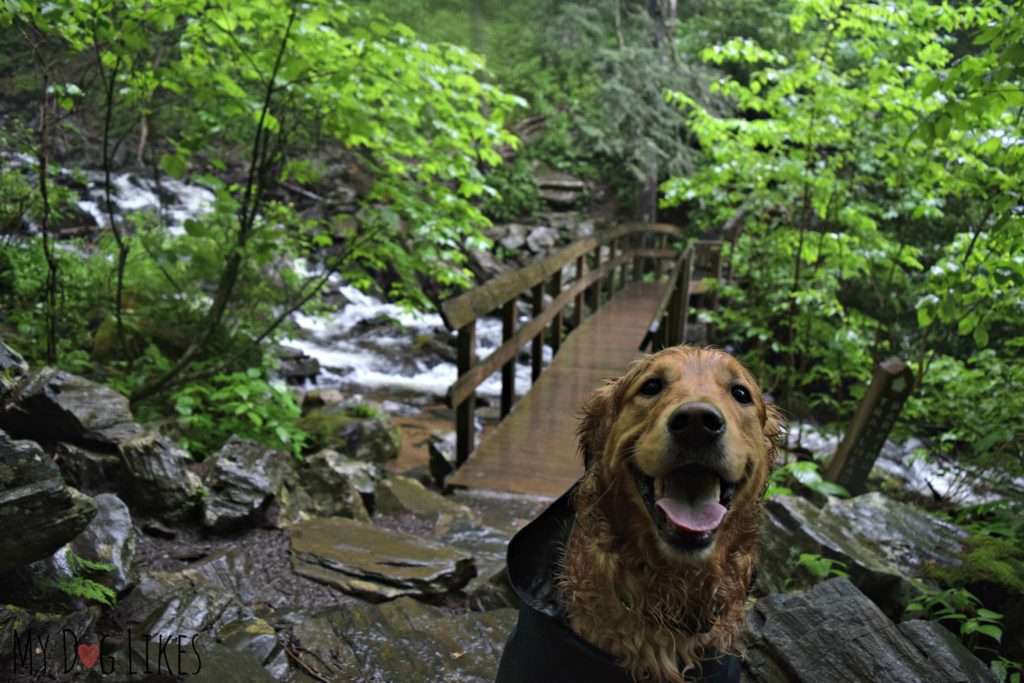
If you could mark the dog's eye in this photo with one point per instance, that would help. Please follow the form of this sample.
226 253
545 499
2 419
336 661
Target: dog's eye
651 387
742 394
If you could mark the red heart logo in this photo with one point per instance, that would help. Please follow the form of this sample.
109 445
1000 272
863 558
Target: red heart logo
88 653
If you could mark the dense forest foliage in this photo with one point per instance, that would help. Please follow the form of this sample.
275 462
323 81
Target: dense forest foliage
876 150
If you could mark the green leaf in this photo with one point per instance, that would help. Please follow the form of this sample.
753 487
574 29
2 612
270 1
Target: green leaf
173 165
988 614
924 316
991 631
967 324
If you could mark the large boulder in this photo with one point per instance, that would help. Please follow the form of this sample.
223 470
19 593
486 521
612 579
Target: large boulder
157 480
38 512
109 538
185 609
542 239
833 632
331 485
402 640
297 366
884 543
12 368
165 603
358 430
442 456
89 470
257 640
37 646
374 563
242 481
53 405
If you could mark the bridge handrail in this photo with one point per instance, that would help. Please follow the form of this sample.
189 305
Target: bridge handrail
461 312
465 308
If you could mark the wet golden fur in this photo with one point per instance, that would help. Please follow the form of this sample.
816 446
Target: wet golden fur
624 588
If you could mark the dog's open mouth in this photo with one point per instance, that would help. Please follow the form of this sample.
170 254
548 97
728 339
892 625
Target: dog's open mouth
688 504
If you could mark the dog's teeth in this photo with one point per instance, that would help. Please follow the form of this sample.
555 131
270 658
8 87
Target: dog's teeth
716 489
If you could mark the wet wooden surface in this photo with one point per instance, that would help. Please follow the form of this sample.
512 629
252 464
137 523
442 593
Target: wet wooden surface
533 450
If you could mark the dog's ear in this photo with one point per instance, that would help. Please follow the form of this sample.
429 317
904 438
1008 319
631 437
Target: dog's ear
598 416
775 427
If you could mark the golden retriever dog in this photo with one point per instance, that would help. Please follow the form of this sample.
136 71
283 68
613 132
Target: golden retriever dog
677 454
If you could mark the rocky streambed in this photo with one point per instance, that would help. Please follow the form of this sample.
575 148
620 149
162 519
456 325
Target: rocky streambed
352 564
250 566
256 566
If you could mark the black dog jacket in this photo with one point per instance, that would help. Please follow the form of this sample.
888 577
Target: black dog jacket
542 647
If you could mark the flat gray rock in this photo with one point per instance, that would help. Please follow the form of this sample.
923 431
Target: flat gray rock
833 632
403 640
374 563
398 495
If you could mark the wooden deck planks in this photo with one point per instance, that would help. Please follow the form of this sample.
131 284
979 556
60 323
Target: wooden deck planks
533 450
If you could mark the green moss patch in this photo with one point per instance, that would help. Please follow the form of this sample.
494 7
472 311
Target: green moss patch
987 559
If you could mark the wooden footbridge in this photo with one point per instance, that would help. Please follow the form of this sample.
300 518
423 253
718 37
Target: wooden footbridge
623 289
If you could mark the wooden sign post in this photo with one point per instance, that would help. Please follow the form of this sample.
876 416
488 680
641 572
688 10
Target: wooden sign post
876 414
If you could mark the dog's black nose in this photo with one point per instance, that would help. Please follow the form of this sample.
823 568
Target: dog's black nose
696 424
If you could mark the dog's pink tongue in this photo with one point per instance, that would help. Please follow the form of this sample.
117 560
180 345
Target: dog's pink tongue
693 518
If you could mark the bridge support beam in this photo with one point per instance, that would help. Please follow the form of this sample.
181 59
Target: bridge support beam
465 412
508 370
537 352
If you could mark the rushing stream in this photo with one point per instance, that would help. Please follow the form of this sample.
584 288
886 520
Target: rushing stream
354 356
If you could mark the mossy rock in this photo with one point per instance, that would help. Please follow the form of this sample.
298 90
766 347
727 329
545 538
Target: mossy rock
357 430
993 570
104 340
986 559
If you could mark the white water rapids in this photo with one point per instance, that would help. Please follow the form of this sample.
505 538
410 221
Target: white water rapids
386 361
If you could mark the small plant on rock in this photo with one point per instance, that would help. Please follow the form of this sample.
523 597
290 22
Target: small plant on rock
959 606
78 585
822 567
801 473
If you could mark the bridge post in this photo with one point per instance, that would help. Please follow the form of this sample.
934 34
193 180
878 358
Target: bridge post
622 267
662 245
508 370
683 286
595 289
537 355
638 261
465 427
670 338
891 385
556 324
581 271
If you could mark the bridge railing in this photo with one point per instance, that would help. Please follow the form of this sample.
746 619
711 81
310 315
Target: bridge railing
671 319
629 248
